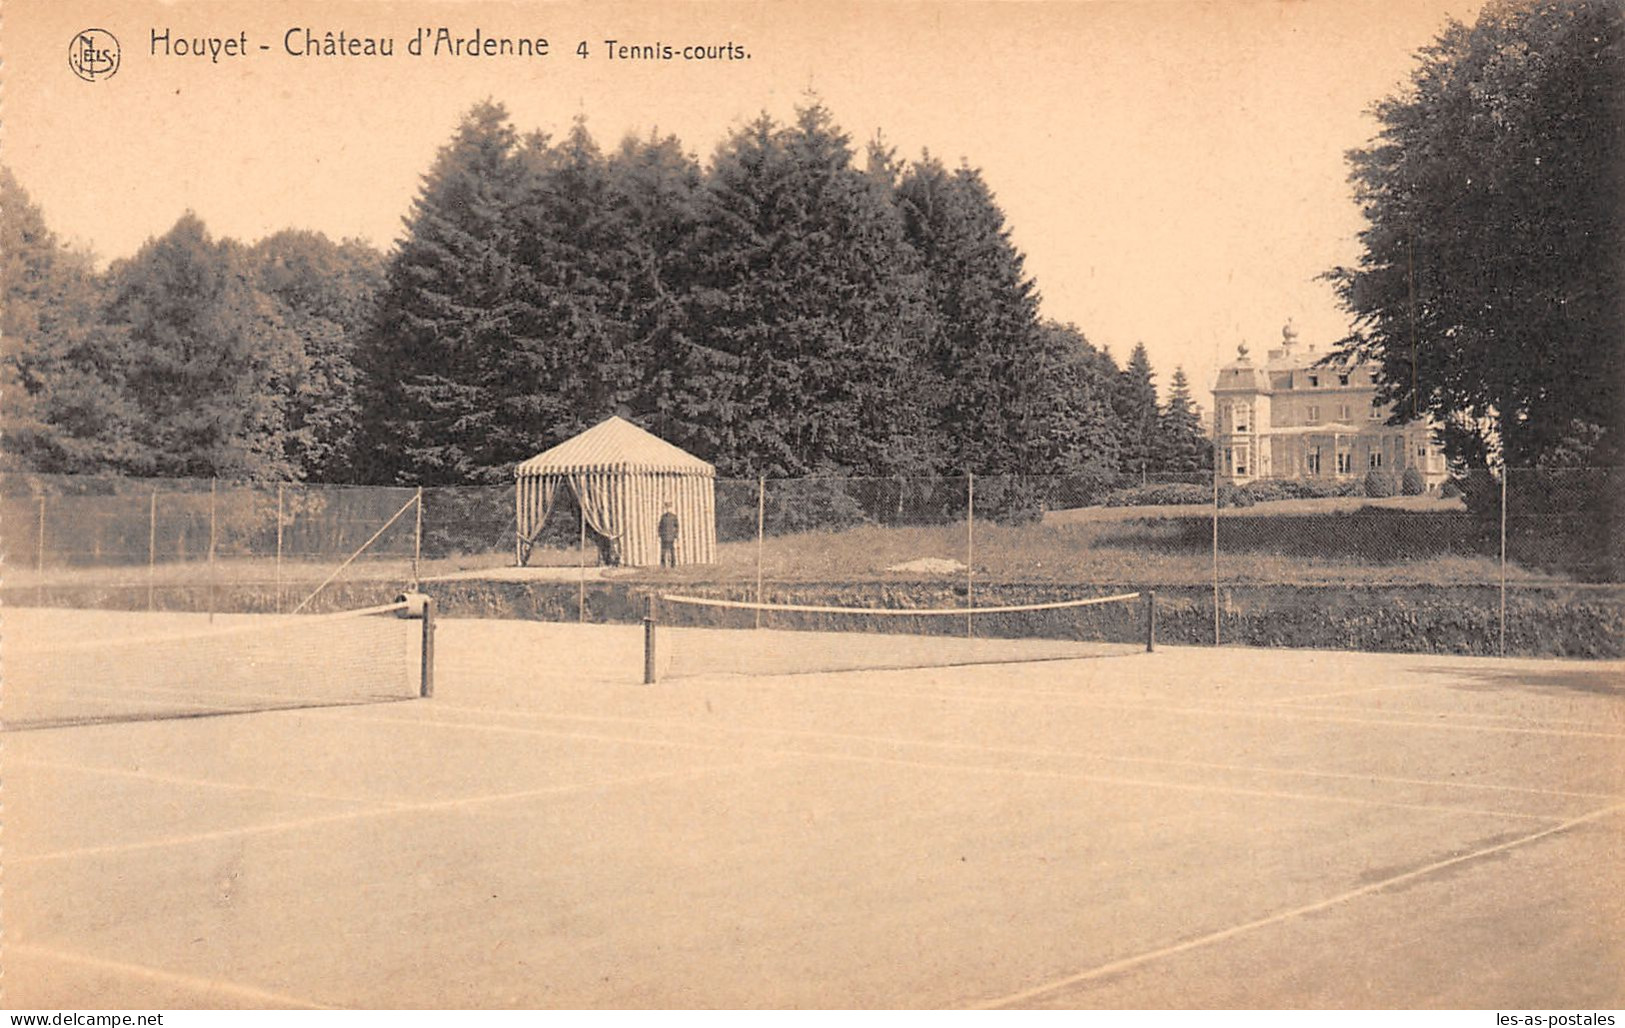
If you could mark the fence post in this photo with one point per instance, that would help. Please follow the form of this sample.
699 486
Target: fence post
279 548
212 523
970 551
39 557
1501 646
1215 551
417 545
152 546
761 535
518 535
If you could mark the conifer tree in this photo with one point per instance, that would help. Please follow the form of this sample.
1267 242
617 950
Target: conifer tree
1080 423
437 349
573 359
656 190
992 394
803 309
1182 445
1135 402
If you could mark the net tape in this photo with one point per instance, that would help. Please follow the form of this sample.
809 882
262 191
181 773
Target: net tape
797 608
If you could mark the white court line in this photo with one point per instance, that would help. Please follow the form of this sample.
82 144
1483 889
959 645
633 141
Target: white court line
455 803
1041 751
207 986
1353 692
1261 710
1464 716
201 783
983 768
1113 967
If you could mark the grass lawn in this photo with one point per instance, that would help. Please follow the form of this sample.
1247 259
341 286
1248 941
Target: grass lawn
1399 540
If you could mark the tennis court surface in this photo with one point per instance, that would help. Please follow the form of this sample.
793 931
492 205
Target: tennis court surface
1184 828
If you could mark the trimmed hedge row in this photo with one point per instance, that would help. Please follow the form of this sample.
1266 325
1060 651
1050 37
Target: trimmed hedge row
1259 491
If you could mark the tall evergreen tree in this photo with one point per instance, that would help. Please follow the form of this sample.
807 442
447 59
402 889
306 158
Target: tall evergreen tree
1182 445
1079 423
657 191
207 362
1135 402
803 310
573 360
434 358
985 356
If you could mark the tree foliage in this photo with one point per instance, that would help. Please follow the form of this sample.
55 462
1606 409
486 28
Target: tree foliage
992 379
436 353
804 310
1135 404
323 293
1487 291
1182 444
794 307
62 410
207 365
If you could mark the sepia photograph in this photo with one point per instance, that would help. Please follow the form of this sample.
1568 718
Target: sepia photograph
858 505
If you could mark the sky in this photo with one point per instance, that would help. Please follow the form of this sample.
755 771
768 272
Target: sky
1173 170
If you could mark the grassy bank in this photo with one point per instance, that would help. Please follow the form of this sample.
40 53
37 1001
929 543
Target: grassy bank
1406 576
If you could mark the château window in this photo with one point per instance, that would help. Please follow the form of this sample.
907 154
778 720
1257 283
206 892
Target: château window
1376 458
1343 412
1312 417
1344 463
1314 381
1342 380
1241 416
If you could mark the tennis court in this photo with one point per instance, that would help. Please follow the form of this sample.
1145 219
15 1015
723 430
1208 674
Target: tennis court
1184 828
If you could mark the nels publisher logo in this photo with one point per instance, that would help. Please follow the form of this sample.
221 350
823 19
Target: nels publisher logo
93 55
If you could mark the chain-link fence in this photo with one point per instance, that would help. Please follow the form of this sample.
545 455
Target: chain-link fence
1528 561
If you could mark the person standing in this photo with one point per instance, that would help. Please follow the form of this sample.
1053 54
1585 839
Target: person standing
668 538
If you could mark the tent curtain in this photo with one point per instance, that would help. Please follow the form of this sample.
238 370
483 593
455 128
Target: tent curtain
595 503
544 495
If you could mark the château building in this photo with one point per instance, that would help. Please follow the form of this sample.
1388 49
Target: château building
1292 417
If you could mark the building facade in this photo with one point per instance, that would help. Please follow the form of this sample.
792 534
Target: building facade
1290 417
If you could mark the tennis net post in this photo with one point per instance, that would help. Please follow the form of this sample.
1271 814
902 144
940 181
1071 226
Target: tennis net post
649 639
420 606
1150 620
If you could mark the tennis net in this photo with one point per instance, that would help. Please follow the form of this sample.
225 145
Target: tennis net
78 667
687 636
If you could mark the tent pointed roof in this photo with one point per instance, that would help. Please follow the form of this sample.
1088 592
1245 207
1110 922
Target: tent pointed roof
614 444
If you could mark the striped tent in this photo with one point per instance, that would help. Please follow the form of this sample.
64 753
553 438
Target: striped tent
622 478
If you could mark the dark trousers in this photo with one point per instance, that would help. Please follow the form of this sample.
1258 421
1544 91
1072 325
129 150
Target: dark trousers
668 553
